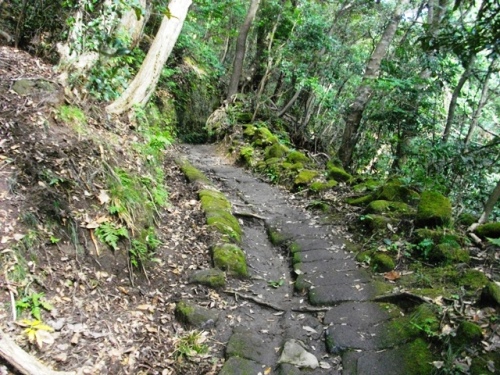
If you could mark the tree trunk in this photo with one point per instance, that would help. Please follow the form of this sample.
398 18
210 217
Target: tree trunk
241 43
488 207
365 90
454 98
144 84
481 104
133 26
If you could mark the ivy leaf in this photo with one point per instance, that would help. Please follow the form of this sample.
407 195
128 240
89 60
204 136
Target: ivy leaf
494 241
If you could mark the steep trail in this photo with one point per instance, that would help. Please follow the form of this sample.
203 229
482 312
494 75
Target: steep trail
334 316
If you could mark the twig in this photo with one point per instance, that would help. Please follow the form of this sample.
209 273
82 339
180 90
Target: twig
254 299
310 309
95 242
249 214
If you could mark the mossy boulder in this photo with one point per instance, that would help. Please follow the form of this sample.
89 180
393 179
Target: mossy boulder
490 295
337 173
473 280
305 177
192 174
319 186
273 162
368 185
491 230
230 258
420 322
249 131
381 262
297 157
384 207
225 223
240 366
276 237
195 316
364 256
213 200
433 210
467 333
466 219
360 201
395 192
418 358
264 137
448 253
247 155
212 277
486 363
276 150
377 222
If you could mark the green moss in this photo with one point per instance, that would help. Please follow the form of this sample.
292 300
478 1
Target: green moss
225 223
417 358
449 253
381 262
439 236
490 295
433 210
297 157
393 191
491 230
212 277
305 177
468 334
73 117
318 186
273 162
275 151
297 258
473 280
230 258
213 200
192 173
482 365
377 222
183 310
246 155
297 166
337 173
294 247
466 219
360 201
264 137
277 238
249 131
301 284
364 256
423 321
382 206
368 185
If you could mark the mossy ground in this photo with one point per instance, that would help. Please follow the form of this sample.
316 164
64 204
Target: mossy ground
433 210
230 258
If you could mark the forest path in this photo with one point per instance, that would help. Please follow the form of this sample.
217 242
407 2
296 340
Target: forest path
334 318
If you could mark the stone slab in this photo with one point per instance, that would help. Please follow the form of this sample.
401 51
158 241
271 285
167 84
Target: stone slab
250 345
241 366
352 277
329 295
356 314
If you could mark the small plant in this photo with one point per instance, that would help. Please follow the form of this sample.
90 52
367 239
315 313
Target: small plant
425 246
276 283
54 239
36 331
426 326
34 303
110 234
143 248
190 344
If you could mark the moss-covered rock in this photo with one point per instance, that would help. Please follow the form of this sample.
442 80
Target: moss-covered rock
212 277
297 157
395 192
305 177
439 236
249 131
468 334
276 150
422 321
381 262
368 185
276 237
466 219
360 201
264 137
337 173
364 256
486 363
195 316
418 358
240 366
192 174
377 222
319 186
230 258
490 295
246 155
473 280
302 284
213 200
225 223
491 230
433 210
273 162
384 207
448 253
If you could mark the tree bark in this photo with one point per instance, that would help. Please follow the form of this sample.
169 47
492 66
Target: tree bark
144 84
241 43
482 101
454 98
488 207
365 90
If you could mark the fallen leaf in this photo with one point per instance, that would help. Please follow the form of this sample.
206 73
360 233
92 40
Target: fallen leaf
309 329
392 275
103 197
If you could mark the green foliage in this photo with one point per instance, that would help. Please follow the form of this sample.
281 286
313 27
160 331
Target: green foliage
143 248
34 303
109 233
190 344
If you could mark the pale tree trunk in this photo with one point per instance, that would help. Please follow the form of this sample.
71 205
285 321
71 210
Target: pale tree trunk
454 98
144 84
488 207
365 90
482 101
133 26
241 44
